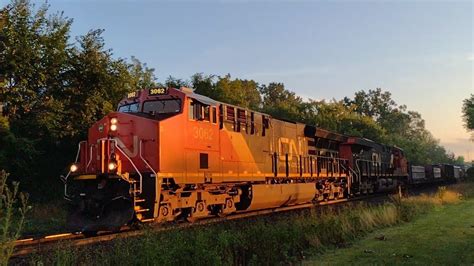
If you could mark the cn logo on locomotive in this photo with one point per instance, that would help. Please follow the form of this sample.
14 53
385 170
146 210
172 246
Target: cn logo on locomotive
288 146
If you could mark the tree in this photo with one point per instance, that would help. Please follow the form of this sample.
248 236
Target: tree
374 103
17 154
336 116
403 128
3 19
468 113
172 82
33 58
141 76
54 89
280 102
205 85
96 83
459 160
241 92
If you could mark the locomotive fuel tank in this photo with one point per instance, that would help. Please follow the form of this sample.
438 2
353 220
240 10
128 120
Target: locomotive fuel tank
276 195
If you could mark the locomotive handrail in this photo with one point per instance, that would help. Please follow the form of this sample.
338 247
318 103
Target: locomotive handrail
366 161
335 160
90 156
348 168
131 162
78 150
66 196
358 169
349 179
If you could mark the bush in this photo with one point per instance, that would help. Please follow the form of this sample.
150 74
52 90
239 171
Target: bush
11 219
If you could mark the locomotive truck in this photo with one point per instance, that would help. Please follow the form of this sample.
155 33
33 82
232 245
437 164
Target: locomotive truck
169 154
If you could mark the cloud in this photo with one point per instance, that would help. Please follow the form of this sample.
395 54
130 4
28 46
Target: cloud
470 57
460 146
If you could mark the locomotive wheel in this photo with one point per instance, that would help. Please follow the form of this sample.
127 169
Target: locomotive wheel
199 211
191 219
229 204
222 214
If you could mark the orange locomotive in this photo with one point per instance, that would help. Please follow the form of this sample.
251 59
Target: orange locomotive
170 154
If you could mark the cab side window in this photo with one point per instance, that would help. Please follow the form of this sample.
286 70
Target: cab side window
230 114
206 110
241 120
199 111
191 110
265 125
214 115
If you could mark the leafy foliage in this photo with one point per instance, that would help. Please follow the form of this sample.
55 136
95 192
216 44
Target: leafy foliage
468 112
404 128
239 92
335 115
53 89
11 220
280 102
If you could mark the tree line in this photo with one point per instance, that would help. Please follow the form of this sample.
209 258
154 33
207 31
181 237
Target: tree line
371 114
54 87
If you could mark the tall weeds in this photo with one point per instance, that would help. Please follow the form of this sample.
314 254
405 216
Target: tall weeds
276 239
11 218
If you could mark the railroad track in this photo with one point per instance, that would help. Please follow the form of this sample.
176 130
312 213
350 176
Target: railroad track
27 246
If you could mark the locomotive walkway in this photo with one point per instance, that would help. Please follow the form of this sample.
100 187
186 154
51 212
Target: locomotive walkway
444 236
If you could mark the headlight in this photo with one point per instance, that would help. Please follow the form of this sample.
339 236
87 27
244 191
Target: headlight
112 166
73 168
113 124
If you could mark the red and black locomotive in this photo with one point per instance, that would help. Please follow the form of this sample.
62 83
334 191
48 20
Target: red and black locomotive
170 154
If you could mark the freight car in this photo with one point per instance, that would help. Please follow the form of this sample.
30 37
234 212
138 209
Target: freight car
418 174
433 172
451 172
169 154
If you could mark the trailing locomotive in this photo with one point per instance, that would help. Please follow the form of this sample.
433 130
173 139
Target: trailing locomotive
170 154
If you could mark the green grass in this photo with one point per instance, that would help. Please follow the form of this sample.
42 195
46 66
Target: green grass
284 238
45 218
265 240
443 236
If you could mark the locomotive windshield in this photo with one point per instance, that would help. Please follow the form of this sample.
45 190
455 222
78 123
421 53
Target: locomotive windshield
160 107
129 108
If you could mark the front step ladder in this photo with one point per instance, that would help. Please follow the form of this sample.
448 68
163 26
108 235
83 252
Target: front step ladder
138 204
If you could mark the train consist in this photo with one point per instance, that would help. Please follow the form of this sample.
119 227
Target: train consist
169 154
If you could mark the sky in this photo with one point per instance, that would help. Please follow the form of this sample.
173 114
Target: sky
421 51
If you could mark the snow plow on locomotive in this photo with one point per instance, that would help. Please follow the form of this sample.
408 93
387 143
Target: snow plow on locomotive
170 154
